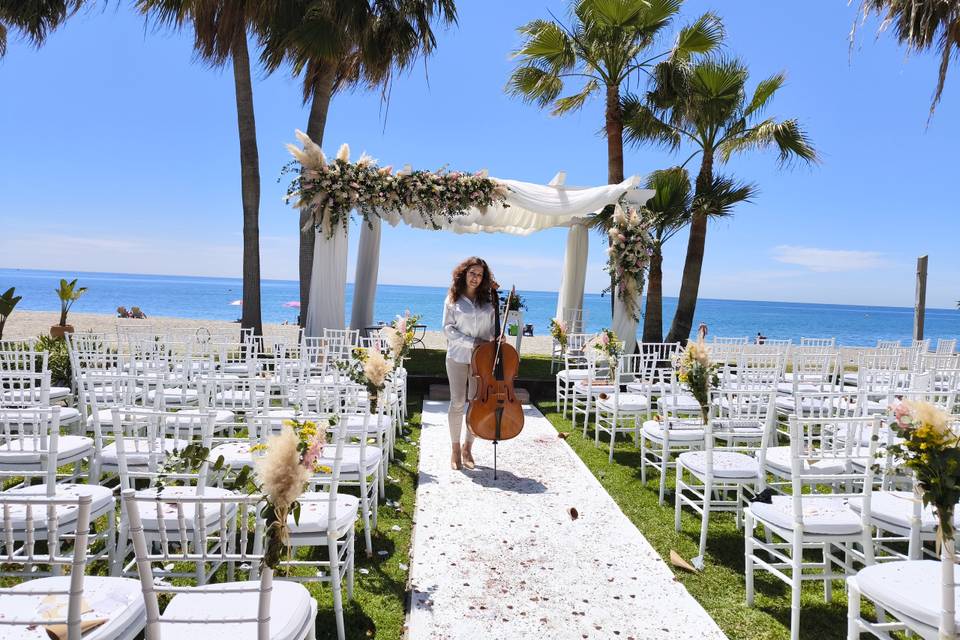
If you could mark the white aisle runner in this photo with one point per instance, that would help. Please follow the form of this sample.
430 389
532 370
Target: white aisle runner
505 560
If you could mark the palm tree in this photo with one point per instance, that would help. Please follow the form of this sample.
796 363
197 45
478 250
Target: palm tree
705 105
335 45
919 24
605 48
220 35
33 20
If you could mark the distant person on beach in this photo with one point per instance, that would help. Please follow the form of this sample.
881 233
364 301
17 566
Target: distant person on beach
761 338
468 319
702 331
135 312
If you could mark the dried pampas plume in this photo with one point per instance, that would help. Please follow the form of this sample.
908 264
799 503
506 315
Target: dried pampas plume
279 471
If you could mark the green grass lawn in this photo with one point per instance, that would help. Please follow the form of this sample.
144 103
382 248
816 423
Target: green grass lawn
720 588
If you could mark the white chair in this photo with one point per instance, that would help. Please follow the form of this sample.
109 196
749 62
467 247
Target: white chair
946 346
275 609
574 369
908 590
706 479
829 343
677 428
94 607
807 521
584 392
620 411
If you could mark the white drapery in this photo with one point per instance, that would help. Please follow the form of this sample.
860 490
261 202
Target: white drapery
365 276
574 274
528 208
624 325
328 283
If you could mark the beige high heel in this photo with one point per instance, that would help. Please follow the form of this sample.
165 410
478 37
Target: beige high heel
455 459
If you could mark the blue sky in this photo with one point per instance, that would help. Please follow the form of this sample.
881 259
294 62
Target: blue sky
120 154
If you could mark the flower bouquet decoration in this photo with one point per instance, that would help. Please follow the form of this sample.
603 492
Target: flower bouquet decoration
369 368
282 472
930 447
698 373
628 256
607 343
399 336
558 330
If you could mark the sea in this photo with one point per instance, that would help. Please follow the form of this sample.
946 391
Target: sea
211 298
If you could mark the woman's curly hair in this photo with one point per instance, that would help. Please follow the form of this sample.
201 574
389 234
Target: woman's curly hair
459 285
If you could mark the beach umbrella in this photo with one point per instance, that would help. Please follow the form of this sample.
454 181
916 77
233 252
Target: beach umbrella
236 303
293 304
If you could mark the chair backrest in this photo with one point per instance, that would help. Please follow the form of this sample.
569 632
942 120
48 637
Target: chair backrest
29 442
631 368
730 340
23 360
946 346
738 421
819 369
661 351
215 519
821 459
889 344
26 344
576 355
818 342
24 389
754 371
26 521
922 346
573 319
145 437
237 394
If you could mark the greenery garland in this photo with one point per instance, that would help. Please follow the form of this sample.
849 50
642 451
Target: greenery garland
330 190
628 257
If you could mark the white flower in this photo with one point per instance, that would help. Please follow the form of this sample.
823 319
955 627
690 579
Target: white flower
344 153
366 159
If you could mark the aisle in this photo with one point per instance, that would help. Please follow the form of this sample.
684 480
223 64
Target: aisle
504 559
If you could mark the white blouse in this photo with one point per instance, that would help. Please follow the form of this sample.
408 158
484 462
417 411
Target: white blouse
465 325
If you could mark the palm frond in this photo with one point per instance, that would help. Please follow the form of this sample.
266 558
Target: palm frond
547 45
575 101
3 39
764 93
533 84
787 136
642 125
722 196
34 20
704 35
669 209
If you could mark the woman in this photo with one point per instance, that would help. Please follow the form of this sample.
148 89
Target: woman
468 319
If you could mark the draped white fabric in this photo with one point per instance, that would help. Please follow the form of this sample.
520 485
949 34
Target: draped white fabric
328 283
624 325
365 277
531 207
574 275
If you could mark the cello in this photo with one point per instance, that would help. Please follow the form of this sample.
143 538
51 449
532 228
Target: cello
495 413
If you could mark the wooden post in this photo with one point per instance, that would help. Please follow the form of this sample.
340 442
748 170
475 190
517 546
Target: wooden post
920 302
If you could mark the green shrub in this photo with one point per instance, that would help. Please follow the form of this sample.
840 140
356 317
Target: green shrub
58 360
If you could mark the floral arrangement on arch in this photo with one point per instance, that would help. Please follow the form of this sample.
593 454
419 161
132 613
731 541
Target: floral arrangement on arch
330 190
399 336
558 331
607 343
628 257
697 372
368 367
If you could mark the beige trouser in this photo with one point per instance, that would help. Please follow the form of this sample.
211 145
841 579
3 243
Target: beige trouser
462 386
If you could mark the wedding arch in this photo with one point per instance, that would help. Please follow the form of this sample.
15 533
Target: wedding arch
452 201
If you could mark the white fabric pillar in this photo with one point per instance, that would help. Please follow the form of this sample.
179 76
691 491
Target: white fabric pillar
365 276
574 275
624 325
328 283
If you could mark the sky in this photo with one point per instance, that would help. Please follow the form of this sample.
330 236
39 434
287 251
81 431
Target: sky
119 153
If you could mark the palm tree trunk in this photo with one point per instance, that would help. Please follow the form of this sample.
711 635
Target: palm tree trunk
249 185
614 130
316 123
653 313
690 285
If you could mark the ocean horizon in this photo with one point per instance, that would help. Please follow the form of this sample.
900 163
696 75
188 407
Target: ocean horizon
205 297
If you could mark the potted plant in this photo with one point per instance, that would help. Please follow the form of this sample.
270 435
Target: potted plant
68 292
7 302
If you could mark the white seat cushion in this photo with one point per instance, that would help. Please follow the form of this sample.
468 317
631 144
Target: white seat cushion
314 511
104 416
69 415
678 403
573 374
137 451
896 508
355 423
908 587
603 386
779 459
653 430
148 509
175 395
291 612
726 464
625 402
23 451
221 416
350 464
235 454
822 516
117 600
101 499
802 387
59 393
735 428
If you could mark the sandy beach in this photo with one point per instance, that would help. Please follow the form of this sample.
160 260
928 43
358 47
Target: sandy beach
27 324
